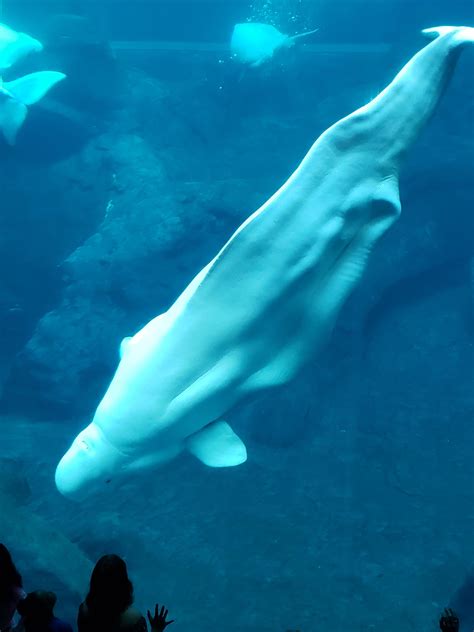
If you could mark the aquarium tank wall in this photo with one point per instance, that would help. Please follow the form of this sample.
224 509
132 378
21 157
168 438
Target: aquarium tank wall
260 392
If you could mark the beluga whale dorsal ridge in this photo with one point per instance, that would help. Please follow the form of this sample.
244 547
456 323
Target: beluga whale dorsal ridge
258 312
254 43
14 46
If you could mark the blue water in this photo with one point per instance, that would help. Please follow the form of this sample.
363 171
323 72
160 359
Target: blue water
355 509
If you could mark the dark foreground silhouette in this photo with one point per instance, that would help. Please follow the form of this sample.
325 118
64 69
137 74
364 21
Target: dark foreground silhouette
108 606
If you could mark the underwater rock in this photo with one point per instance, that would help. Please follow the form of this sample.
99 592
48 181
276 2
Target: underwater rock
463 602
96 80
12 483
142 248
39 226
44 548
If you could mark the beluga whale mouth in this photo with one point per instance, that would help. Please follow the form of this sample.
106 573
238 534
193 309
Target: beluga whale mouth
260 309
93 458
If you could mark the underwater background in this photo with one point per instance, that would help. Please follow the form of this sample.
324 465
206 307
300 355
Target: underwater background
355 509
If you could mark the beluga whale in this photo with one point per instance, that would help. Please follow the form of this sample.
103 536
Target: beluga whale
257 313
17 95
14 46
254 43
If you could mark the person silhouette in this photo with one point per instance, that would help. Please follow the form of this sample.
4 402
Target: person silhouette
11 589
37 614
108 605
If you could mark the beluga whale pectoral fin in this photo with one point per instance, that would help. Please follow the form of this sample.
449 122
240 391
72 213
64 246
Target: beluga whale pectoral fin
31 88
16 95
217 445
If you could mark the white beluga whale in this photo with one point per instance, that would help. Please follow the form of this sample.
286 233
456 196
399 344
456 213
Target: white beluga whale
254 43
14 46
17 95
259 311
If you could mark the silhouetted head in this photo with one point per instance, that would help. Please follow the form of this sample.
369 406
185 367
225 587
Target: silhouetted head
111 591
37 609
10 578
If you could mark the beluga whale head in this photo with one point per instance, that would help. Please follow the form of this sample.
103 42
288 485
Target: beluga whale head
14 46
90 459
92 463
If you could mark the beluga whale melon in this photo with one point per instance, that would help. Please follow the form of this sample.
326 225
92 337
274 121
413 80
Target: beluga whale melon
14 46
264 305
254 43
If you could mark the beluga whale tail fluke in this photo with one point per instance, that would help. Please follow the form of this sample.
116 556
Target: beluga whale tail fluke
258 312
462 34
17 95
293 38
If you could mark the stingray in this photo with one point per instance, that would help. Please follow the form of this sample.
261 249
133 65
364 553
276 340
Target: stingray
31 537
254 43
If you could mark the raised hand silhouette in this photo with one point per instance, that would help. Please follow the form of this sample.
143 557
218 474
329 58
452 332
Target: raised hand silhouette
158 622
449 621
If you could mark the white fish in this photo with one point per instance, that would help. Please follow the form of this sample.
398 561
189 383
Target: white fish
254 43
14 46
259 311
16 95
